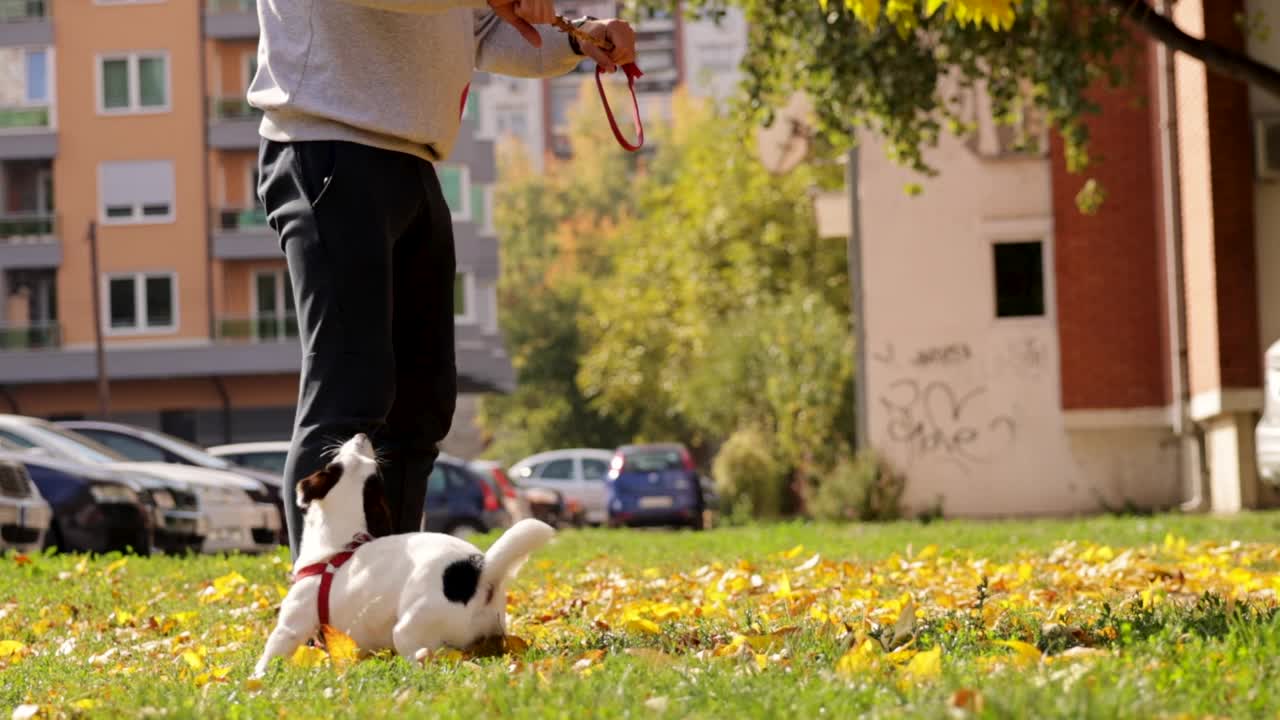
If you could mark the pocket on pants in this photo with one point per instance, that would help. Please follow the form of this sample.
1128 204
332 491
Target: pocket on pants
316 163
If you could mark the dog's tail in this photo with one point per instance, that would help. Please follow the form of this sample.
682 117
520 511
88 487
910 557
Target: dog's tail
514 547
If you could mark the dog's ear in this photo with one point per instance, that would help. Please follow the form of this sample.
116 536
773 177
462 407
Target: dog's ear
377 517
318 484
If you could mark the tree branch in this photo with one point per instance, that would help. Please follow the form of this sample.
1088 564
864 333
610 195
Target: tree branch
1222 60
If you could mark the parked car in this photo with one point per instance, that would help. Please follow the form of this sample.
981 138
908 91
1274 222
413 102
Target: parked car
233 520
268 455
24 514
516 504
460 502
93 509
655 484
143 445
578 474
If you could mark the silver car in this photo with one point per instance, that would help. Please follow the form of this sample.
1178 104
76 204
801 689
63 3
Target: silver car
24 515
578 474
229 518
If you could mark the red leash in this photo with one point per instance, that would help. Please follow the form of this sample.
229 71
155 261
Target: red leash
632 72
326 570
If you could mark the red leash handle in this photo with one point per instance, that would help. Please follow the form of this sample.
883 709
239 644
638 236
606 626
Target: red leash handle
632 72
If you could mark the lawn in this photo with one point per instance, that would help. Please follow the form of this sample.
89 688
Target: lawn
1112 617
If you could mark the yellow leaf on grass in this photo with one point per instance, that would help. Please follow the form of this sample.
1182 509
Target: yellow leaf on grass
113 567
926 665
1026 653
85 704
793 552
11 648
184 618
762 661
307 656
193 661
342 649
641 625
858 660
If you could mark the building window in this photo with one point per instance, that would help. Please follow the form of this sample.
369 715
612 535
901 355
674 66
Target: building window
455 180
464 294
133 83
275 317
37 71
480 206
1019 272
136 192
141 302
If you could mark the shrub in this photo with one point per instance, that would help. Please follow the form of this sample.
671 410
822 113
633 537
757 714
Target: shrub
749 478
864 488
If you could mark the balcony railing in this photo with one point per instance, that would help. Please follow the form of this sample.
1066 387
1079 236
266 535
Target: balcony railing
279 327
239 219
24 117
216 7
40 336
23 10
27 227
232 108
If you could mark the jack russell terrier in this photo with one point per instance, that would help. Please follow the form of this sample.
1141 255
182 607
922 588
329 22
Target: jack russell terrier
411 592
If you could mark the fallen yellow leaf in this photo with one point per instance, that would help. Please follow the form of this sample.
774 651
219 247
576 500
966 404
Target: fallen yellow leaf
307 656
642 625
113 567
858 659
11 648
193 661
1026 653
342 649
926 665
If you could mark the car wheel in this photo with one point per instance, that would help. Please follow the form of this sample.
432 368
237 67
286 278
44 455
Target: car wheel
464 530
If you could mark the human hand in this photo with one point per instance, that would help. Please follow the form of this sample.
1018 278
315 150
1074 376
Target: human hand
618 34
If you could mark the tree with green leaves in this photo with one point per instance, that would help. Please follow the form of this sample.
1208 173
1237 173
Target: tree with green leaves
901 68
722 307
549 224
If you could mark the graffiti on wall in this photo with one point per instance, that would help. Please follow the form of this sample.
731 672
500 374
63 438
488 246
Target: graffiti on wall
939 405
936 418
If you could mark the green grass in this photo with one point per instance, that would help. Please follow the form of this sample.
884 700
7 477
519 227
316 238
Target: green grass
1200 655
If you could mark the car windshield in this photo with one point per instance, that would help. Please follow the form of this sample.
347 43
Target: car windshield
193 453
70 445
653 460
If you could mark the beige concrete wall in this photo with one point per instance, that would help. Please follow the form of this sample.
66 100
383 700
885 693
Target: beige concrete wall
1266 48
85 29
967 405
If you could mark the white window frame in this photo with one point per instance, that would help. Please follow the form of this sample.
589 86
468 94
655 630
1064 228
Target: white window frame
140 303
468 299
463 215
999 232
138 218
278 274
131 59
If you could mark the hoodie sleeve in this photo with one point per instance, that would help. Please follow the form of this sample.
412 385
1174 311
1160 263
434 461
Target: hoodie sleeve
417 7
502 50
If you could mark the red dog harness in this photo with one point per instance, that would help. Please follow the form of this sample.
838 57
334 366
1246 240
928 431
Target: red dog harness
326 570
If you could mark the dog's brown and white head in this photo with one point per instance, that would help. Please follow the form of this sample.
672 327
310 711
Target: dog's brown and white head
346 495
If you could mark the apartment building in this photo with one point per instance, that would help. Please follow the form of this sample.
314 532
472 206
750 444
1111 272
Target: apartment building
1023 358
123 126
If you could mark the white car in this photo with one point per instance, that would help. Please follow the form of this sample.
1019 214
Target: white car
234 512
269 455
578 474
24 515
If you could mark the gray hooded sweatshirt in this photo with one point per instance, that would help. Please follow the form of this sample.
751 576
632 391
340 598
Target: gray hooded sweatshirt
386 73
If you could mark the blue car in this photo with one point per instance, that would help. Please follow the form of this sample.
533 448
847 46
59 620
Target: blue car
458 501
655 485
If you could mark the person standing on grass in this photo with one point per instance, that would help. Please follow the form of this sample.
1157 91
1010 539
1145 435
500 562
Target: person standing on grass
359 98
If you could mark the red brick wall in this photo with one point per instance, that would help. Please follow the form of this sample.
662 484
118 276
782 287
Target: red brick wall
1232 178
1108 265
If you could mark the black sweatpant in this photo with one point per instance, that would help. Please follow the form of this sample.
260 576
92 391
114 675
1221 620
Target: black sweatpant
369 242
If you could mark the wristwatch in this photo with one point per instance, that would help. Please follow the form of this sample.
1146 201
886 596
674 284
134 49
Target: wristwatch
573 41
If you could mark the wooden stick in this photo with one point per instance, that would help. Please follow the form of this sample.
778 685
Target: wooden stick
565 26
